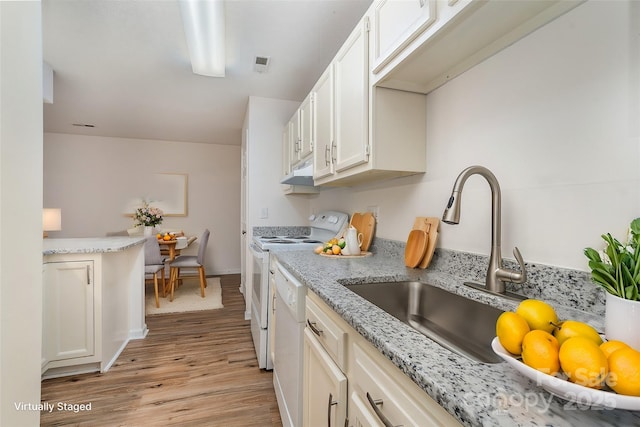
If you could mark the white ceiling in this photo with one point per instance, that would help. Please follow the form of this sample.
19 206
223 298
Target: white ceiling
123 65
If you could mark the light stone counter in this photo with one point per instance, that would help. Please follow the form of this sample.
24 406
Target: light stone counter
89 245
476 394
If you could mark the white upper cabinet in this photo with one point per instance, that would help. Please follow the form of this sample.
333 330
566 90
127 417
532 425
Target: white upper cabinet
298 135
351 100
286 144
305 129
341 108
368 110
394 24
364 133
455 36
323 119
294 138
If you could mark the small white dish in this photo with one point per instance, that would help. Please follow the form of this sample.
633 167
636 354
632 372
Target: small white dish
567 390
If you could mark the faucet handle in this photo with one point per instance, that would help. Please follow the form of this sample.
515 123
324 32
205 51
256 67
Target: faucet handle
512 275
522 276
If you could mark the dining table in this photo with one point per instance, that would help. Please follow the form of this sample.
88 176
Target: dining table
168 247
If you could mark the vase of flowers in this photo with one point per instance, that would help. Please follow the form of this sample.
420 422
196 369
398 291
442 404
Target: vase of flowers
148 217
617 270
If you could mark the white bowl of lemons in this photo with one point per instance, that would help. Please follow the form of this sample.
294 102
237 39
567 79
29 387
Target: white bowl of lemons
568 358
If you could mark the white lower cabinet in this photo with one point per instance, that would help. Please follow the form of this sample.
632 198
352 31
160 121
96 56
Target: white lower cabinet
92 305
379 393
69 313
325 386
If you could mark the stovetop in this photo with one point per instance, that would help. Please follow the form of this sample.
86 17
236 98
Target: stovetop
323 226
270 242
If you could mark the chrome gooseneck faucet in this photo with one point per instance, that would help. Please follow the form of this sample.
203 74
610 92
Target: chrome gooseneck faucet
496 274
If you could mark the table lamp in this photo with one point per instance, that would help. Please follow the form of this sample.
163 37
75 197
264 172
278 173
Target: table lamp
51 220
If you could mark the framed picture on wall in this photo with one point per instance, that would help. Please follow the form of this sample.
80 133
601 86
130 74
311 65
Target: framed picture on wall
167 191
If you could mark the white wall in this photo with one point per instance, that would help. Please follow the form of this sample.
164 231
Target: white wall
87 178
20 211
556 118
265 121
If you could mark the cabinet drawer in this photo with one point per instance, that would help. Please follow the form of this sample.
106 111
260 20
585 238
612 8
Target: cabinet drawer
399 404
330 335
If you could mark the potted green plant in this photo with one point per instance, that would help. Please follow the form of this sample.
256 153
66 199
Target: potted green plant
617 270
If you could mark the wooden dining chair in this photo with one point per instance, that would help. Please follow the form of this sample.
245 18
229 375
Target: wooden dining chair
154 263
190 261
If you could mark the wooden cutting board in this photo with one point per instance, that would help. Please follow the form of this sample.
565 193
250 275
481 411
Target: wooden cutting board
416 246
430 225
365 223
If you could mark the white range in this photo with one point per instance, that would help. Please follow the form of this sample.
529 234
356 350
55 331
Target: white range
323 227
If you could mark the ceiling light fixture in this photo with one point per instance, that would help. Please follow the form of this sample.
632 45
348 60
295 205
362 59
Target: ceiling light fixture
203 22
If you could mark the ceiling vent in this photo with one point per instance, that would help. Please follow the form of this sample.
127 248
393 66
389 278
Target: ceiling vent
261 64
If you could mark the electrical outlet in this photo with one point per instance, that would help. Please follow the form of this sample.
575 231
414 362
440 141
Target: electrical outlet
264 213
376 212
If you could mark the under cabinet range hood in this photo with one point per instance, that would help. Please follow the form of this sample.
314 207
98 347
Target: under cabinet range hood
301 175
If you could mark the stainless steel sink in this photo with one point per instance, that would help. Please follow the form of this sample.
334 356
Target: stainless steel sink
453 321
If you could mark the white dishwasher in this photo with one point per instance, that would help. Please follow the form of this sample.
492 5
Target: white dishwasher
287 364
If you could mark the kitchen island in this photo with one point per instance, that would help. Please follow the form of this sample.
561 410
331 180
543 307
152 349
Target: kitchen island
476 394
93 302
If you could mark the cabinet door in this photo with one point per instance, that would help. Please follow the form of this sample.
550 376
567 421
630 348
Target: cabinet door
294 139
286 143
68 309
325 386
323 120
305 114
395 24
352 100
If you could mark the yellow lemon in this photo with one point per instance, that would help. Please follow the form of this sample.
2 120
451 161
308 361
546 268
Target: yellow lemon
159 236
583 362
624 371
335 249
510 330
540 351
609 347
538 314
574 328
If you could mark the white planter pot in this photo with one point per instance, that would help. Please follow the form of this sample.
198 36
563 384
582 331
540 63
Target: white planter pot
622 320
148 231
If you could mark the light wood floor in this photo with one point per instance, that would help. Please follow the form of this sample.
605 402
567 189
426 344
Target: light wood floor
193 369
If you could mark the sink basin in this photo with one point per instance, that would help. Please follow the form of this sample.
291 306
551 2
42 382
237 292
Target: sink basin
453 321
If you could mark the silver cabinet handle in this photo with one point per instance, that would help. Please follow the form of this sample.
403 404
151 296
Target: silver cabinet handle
327 151
421 3
88 275
312 326
329 405
374 404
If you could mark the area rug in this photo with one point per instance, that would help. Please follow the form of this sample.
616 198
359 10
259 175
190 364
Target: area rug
186 297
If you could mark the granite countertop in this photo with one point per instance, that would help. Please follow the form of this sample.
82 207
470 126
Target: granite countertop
474 393
89 245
